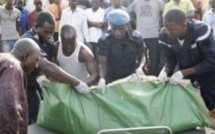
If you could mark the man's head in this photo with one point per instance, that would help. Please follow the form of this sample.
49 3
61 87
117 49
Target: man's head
118 20
175 23
95 4
9 4
117 3
57 1
20 5
44 26
73 4
38 5
212 3
68 38
28 52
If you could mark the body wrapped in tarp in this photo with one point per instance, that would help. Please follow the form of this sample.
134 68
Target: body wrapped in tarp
125 104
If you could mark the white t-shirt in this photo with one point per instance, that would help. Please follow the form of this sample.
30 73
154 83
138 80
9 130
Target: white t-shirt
97 16
148 14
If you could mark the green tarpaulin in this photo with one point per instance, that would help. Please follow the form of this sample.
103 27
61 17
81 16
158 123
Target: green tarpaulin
125 104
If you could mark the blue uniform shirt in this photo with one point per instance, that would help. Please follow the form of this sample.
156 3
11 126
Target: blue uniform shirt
121 56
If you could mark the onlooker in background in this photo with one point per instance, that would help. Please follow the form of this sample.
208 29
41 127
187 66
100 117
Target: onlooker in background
32 16
209 17
76 16
13 103
24 15
95 19
116 4
74 57
10 25
148 17
84 4
184 5
120 50
56 9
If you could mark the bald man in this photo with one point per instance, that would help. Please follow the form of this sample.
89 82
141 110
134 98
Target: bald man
13 103
74 57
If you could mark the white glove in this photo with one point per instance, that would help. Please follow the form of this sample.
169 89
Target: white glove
42 79
102 84
139 72
176 78
83 88
162 77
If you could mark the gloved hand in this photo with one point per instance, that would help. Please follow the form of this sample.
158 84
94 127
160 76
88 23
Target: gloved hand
102 84
176 78
42 79
82 88
162 77
139 72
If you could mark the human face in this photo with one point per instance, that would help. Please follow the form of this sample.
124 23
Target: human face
9 4
95 4
119 32
57 1
117 3
38 5
45 32
212 3
73 4
31 60
174 30
68 43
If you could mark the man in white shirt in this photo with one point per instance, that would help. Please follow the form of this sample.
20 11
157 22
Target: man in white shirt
148 15
74 57
209 16
76 16
95 19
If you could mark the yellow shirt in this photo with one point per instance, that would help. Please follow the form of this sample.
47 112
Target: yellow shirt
54 10
184 5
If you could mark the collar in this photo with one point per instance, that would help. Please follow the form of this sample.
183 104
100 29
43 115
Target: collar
3 7
36 36
181 1
76 10
212 10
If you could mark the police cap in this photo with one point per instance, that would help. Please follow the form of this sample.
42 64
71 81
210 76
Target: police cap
118 18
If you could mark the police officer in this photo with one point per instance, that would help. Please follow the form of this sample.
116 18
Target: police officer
191 45
120 49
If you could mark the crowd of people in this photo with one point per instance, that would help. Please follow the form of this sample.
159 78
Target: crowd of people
96 42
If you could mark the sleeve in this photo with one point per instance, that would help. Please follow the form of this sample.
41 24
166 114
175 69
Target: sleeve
161 5
62 21
102 16
170 58
131 7
166 8
204 19
85 28
10 118
105 15
18 16
140 47
206 46
103 47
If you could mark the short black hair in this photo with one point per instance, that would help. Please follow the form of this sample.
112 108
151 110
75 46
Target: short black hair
44 17
175 15
68 29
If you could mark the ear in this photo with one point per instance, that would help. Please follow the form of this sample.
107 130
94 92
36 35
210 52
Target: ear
25 57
